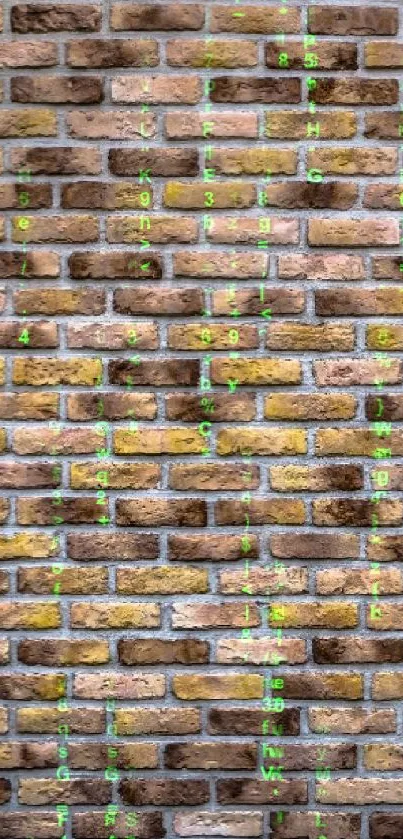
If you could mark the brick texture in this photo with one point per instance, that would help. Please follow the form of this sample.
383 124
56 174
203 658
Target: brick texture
201 419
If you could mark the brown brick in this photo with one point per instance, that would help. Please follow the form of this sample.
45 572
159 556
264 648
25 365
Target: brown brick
120 52
213 548
162 373
38 196
261 511
42 580
356 512
168 163
73 510
295 478
314 545
352 20
57 89
209 755
56 229
347 649
219 264
376 301
149 825
35 17
256 19
32 686
384 125
248 720
290 824
104 196
58 160
213 476
144 512
77 791
110 406
249 301
40 264
236 89
189 408
170 301
331 55
300 194
164 791
146 16
116 336
62 653
385 825
105 546
13 474
148 651
248 791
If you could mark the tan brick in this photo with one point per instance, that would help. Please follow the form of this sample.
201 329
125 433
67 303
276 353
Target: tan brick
157 90
256 19
211 53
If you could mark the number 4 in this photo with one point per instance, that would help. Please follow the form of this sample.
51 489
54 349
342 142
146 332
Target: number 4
24 337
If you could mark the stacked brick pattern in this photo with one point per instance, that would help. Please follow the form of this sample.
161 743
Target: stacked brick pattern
201 604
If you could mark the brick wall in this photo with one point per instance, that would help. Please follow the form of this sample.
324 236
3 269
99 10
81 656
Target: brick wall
201 415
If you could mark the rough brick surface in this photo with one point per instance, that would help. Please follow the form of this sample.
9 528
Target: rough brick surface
201 419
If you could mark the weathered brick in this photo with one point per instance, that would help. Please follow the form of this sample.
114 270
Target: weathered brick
352 720
112 125
217 53
27 122
167 16
59 160
157 90
294 125
149 720
119 685
330 55
353 233
248 791
355 91
259 19
120 52
352 20
35 17
147 651
169 163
